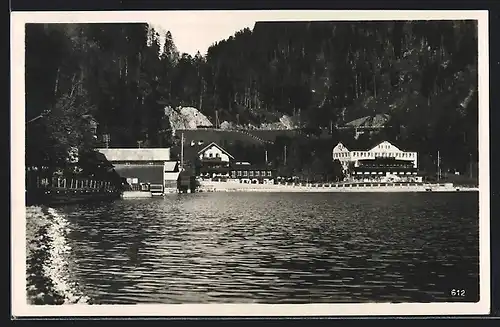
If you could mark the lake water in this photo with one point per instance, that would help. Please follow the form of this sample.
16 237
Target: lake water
275 248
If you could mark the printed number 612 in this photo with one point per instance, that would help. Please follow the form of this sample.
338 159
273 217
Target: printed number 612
455 292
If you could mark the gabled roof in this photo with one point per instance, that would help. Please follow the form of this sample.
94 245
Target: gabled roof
218 146
351 145
342 145
379 143
136 154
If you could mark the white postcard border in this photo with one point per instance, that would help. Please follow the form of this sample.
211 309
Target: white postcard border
20 308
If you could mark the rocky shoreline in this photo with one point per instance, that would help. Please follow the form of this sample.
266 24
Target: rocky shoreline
47 275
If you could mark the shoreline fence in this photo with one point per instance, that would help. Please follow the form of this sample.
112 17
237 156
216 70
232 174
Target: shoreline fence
66 183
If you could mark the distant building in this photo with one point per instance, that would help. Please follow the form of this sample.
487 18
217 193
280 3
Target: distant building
383 161
214 161
252 174
144 167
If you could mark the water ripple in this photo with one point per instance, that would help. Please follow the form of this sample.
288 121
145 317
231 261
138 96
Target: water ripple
276 248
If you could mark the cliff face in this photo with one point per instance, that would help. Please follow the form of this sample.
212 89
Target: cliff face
186 118
192 118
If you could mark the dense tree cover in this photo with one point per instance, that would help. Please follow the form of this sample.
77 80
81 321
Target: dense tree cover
422 73
79 74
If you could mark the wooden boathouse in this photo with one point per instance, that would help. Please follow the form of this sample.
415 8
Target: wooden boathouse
147 170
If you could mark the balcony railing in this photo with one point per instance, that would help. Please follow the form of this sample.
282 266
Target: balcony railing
211 159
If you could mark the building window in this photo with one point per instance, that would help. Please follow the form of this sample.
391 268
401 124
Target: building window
250 173
257 173
233 173
269 174
245 173
210 155
239 173
263 173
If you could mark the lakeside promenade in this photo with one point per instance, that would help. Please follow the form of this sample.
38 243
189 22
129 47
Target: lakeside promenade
210 186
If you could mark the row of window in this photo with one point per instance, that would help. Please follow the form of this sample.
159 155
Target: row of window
211 155
364 154
384 146
251 173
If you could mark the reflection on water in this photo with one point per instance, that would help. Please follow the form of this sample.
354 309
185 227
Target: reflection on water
276 248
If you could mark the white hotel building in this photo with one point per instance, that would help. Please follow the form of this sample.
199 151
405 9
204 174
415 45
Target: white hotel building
382 161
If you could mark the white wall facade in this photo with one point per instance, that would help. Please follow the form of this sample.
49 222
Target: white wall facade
214 152
384 150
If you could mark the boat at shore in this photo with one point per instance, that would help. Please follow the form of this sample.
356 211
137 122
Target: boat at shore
230 186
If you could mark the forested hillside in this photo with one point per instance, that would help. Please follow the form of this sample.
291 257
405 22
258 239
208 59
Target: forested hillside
422 74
